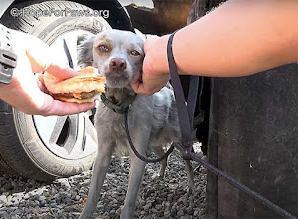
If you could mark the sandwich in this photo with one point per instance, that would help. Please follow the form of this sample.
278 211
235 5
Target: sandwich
83 88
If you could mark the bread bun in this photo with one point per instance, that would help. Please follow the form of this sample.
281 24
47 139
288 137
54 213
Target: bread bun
79 89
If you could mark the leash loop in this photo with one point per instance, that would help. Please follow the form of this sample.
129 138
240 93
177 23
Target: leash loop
185 110
145 159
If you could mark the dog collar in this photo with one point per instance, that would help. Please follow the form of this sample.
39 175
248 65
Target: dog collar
117 107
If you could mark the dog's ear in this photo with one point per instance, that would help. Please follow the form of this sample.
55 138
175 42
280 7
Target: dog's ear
85 47
140 34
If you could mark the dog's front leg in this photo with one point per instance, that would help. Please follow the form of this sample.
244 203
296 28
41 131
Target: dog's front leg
190 175
136 172
135 178
159 150
100 169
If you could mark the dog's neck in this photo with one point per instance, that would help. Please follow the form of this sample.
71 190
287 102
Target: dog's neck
118 99
118 95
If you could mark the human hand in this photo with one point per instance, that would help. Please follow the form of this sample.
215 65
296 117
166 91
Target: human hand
25 92
155 67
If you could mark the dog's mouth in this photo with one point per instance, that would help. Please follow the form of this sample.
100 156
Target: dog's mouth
118 72
117 79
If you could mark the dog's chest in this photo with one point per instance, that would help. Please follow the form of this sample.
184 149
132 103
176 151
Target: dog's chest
151 119
108 121
110 129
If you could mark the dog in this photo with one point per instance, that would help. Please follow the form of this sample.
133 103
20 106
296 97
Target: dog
153 120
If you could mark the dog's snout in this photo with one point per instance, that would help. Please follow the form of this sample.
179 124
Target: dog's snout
118 64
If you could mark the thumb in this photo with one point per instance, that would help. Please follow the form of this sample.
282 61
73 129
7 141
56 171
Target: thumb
136 82
40 65
60 72
41 56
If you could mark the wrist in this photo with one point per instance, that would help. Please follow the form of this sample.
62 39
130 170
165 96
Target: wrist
163 65
2 86
176 50
156 60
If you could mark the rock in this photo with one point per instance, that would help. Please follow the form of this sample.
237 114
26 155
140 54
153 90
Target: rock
8 186
64 194
42 198
4 215
11 209
180 213
53 205
158 207
160 198
9 203
143 213
100 206
3 199
147 206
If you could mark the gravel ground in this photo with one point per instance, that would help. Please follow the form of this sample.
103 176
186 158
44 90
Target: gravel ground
65 198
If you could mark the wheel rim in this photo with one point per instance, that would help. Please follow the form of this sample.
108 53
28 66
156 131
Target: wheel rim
74 136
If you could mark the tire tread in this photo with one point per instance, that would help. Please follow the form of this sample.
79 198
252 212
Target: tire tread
14 158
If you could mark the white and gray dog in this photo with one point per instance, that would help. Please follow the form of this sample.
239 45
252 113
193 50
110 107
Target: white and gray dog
153 120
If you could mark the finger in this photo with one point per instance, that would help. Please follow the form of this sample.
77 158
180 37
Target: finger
36 50
60 108
42 87
39 65
136 82
42 57
60 72
136 86
139 88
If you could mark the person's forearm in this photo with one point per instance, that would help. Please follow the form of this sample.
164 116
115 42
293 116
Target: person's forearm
240 37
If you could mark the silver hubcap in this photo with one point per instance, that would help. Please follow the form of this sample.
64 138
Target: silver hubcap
74 136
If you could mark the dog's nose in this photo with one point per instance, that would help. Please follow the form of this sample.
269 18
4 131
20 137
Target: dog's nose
118 64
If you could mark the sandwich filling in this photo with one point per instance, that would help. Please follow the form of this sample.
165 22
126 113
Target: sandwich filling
80 96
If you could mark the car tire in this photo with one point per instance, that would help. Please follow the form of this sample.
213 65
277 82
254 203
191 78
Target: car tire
23 148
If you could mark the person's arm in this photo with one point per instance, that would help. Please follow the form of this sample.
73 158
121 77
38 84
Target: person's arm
24 92
238 38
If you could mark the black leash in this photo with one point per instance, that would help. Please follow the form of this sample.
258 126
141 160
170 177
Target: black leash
185 110
186 115
145 159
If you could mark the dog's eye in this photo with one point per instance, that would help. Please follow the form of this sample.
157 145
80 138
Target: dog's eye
135 53
103 48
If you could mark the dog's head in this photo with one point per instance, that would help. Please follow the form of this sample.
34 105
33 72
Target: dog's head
118 55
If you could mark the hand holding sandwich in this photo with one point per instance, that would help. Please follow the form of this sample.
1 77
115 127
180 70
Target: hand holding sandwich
25 92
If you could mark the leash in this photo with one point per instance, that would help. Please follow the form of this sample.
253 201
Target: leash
145 159
123 108
186 118
185 110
